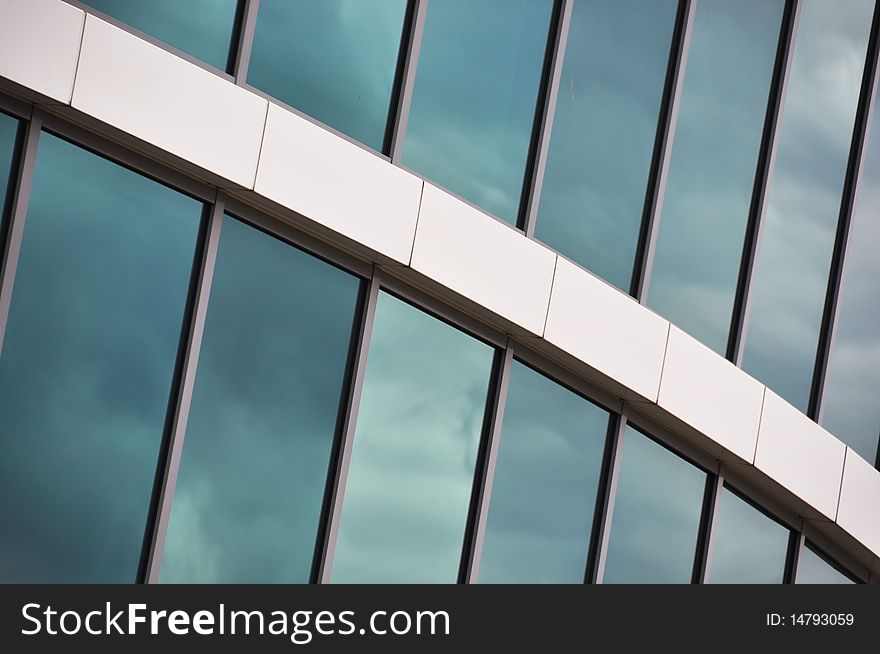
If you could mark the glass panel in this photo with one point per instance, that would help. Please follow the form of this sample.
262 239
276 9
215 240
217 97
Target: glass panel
852 385
332 59
803 201
264 410
747 546
414 451
603 133
87 365
546 478
656 515
201 28
712 169
475 95
814 569
8 133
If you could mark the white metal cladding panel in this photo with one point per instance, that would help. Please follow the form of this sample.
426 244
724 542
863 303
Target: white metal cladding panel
711 394
171 103
338 184
606 329
800 455
39 45
482 259
859 510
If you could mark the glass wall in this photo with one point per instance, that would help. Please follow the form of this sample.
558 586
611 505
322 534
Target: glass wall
8 132
415 447
748 547
712 166
475 96
201 28
263 417
656 515
546 479
803 199
603 133
815 568
87 365
849 405
332 59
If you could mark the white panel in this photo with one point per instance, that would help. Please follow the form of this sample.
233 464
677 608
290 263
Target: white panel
606 329
859 511
338 184
39 45
484 260
175 105
800 455
711 394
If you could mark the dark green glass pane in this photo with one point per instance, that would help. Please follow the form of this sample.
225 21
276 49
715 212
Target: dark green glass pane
87 365
263 417
331 59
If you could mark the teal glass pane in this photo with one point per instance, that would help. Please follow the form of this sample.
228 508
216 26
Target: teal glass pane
656 515
475 96
803 199
747 546
263 418
414 450
814 568
8 134
201 28
603 133
850 408
87 365
712 167
546 479
332 59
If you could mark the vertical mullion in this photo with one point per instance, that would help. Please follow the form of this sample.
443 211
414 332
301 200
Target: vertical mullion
545 113
656 187
857 155
181 397
763 174
601 531
404 79
247 24
328 534
795 546
27 158
703 554
484 471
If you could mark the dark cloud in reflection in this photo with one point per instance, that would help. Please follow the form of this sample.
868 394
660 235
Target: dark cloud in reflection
332 59
747 546
201 28
712 169
656 515
544 492
804 195
414 450
475 96
263 416
86 367
603 133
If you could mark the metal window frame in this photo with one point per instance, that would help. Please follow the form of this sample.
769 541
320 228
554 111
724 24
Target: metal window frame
404 79
825 549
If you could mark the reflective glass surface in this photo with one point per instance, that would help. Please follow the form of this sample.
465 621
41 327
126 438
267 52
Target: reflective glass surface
712 168
814 569
803 201
747 546
87 365
332 59
8 132
546 478
201 28
849 405
656 515
603 133
414 450
474 98
265 404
